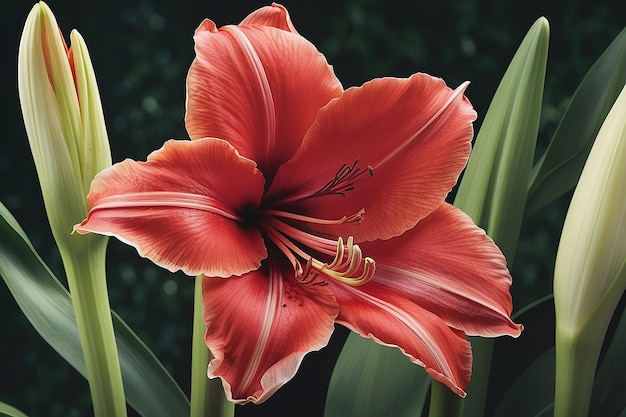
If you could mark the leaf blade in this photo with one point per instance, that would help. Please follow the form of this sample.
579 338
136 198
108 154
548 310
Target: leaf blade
371 380
560 166
9 411
48 306
493 188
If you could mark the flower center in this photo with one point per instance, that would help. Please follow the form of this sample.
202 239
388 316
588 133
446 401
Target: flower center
348 266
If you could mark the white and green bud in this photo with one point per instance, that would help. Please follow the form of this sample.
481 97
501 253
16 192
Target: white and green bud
590 270
63 118
68 140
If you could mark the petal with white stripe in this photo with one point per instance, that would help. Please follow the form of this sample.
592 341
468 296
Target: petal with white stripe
372 310
260 326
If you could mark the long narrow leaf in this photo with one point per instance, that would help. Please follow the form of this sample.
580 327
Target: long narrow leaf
46 303
493 188
559 168
371 380
532 395
610 382
9 411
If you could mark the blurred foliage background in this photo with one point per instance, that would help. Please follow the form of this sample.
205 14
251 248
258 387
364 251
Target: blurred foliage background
141 50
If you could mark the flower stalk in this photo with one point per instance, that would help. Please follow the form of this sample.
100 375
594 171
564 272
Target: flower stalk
444 402
207 395
67 136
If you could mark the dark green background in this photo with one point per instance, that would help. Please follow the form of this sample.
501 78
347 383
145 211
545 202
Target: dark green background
141 51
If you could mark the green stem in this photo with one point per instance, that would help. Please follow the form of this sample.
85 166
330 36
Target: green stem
443 402
86 277
482 349
576 360
207 395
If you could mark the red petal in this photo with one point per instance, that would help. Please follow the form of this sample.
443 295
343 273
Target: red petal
450 267
275 15
372 310
260 326
413 133
182 207
257 87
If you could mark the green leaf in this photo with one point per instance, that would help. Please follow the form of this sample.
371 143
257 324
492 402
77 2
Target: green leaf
9 411
533 305
46 303
371 380
207 395
493 189
532 394
559 168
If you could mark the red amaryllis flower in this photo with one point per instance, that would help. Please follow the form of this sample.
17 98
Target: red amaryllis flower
305 205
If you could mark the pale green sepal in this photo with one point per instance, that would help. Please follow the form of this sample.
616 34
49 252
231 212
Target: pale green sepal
9 411
46 303
493 188
207 395
560 166
371 380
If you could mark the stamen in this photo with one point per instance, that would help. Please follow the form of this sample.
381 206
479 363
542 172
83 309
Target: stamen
338 261
325 246
355 218
348 266
353 263
285 246
310 276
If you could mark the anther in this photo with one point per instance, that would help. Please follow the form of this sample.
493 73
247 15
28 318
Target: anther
347 263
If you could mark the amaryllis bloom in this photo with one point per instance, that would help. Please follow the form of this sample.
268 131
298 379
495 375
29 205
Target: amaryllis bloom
305 205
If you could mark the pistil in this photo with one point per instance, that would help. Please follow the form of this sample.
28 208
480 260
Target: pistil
345 179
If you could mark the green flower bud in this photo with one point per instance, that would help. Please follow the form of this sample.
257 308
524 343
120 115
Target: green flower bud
63 118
